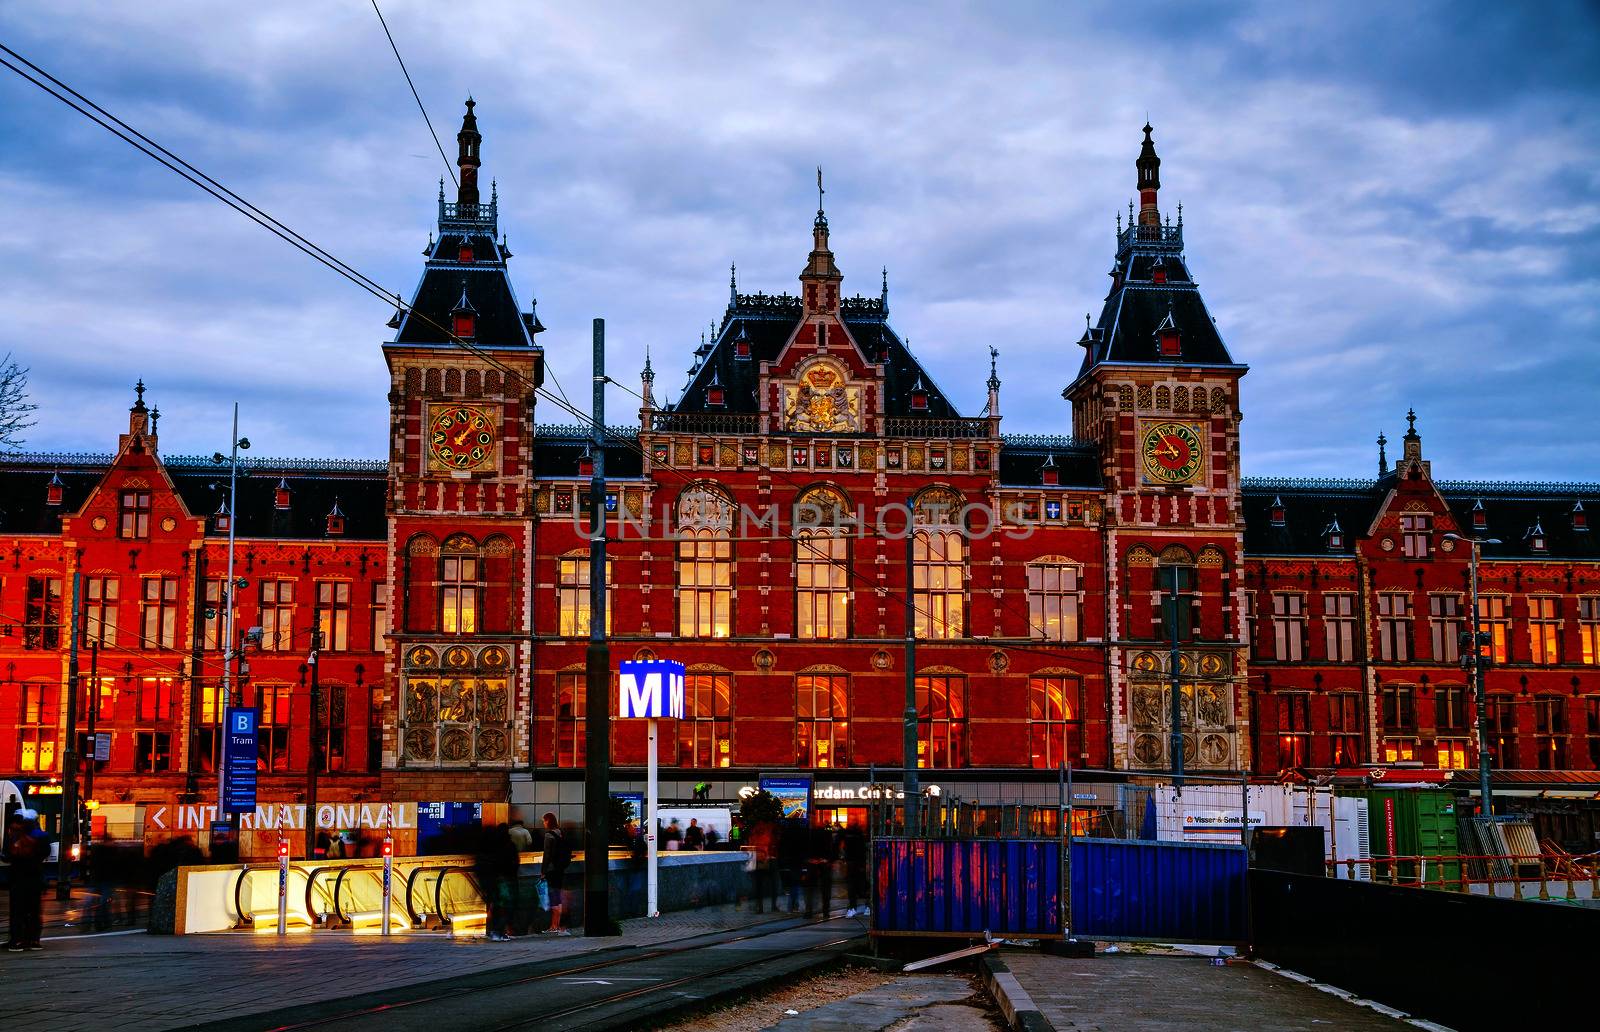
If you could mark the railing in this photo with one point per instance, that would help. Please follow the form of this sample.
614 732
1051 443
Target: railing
1171 236
1058 442
93 460
477 214
705 422
1454 872
936 428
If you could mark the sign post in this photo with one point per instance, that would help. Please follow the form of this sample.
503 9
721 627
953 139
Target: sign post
388 877
239 761
650 690
283 884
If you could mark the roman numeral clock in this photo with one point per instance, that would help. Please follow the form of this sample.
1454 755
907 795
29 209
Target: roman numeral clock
1172 453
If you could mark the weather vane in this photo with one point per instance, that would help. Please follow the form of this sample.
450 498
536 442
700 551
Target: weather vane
819 188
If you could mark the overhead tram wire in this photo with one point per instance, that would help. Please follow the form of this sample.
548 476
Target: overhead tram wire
403 71
82 105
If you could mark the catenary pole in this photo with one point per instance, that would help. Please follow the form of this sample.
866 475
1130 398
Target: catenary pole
225 698
912 809
1479 700
1176 710
597 775
69 765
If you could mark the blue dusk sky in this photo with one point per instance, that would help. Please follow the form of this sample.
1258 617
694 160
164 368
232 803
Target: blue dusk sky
1386 205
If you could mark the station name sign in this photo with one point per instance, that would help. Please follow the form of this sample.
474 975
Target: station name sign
286 816
652 688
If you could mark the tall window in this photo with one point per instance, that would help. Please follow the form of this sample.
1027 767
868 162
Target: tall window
705 734
1055 721
210 712
1394 626
1591 726
134 515
41 614
1399 723
1294 729
1452 718
822 705
941 721
460 592
1446 623
379 611
1053 601
38 730
822 586
1247 620
272 735
1416 535
1346 727
1544 629
331 729
1589 628
333 614
1339 626
277 615
214 623
152 752
938 568
705 583
158 626
1550 731
100 611
155 697
572 596
571 743
1501 716
1289 626
1184 608
1493 617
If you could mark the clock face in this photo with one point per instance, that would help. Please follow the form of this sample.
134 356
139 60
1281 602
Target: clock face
461 437
1172 453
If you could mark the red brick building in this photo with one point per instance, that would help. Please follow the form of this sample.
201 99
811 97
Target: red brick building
760 538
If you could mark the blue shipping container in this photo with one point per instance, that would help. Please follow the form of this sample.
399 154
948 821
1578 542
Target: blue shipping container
967 887
1158 891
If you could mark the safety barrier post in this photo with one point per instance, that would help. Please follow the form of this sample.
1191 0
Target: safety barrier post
388 878
1544 888
283 884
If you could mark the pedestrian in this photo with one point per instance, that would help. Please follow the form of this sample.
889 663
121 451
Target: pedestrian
103 874
712 838
854 847
793 850
822 851
489 870
521 837
553 865
673 836
762 846
510 858
694 837
26 849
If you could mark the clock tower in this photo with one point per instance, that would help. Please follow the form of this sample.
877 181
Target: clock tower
464 366
1158 394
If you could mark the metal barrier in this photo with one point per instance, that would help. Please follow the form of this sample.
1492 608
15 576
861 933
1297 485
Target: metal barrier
967 887
1415 871
262 919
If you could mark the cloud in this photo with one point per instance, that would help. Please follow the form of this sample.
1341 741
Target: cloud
1385 206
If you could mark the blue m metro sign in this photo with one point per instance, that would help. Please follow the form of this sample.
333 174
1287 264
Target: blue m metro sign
650 689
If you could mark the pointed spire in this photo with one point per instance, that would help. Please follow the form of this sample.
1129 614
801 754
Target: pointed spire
1411 423
1413 444
1149 167
733 284
994 376
138 402
399 313
1383 455
468 159
883 296
820 278
155 418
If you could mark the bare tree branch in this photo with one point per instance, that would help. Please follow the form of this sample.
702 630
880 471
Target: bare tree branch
14 404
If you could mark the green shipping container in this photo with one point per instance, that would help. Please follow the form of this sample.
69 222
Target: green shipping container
1413 822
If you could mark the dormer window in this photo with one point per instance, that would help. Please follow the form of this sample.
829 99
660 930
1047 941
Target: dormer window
586 464
1535 538
335 524
280 496
919 397
1278 516
1050 473
464 318
53 490
715 395
1168 340
1580 519
1158 272
1334 535
221 520
1480 519
464 253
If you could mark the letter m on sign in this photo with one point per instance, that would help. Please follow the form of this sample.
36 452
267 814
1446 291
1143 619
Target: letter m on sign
650 689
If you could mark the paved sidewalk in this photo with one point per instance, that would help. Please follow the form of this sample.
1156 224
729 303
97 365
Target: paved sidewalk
139 981
1173 992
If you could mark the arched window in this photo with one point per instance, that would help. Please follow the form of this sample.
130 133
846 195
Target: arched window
823 729
705 734
938 557
1176 589
942 721
460 585
705 563
1055 720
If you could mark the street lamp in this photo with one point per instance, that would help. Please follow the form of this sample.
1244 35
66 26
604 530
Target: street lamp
225 700
1472 659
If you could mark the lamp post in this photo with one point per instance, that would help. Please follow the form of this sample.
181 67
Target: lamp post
1473 659
225 699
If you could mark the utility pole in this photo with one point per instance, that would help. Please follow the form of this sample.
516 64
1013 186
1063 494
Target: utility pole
69 766
224 695
315 752
94 713
1176 710
909 786
597 713
1472 658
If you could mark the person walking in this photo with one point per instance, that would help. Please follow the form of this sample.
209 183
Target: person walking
694 836
853 845
762 844
793 850
26 850
822 851
488 866
553 865
521 837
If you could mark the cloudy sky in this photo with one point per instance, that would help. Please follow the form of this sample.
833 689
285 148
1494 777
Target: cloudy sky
1386 205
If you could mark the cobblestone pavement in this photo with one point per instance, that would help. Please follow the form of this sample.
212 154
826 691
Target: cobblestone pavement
1132 993
137 981
909 1002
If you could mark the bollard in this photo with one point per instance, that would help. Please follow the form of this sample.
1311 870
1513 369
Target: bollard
388 879
283 885
1544 888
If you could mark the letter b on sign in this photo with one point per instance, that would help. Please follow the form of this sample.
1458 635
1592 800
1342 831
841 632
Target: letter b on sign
650 689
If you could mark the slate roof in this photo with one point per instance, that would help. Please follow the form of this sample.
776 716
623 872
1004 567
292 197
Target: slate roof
766 322
1077 464
485 279
557 449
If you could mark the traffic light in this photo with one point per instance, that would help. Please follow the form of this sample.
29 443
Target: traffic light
1486 647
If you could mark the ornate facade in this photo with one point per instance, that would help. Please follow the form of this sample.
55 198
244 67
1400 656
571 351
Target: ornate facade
768 527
